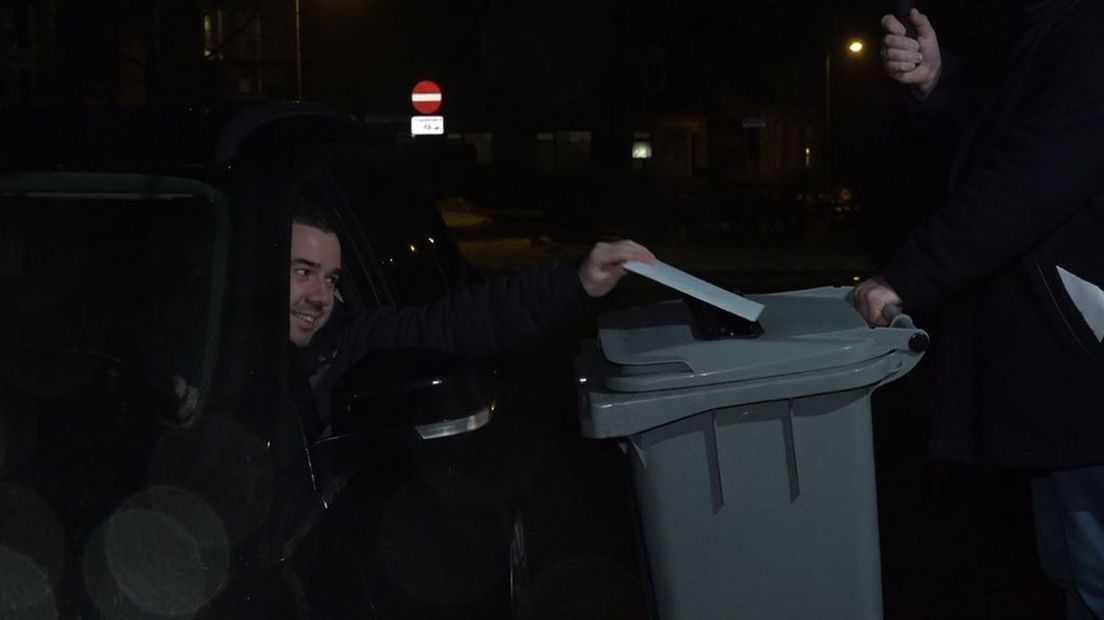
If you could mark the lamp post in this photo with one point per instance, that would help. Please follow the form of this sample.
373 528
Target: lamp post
855 48
298 57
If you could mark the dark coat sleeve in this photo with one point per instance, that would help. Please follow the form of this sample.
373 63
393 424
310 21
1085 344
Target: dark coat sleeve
948 100
477 321
1035 174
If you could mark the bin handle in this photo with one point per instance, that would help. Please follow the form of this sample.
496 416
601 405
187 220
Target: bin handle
896 316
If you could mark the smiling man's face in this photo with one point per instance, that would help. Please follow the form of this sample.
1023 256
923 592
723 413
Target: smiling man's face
315 269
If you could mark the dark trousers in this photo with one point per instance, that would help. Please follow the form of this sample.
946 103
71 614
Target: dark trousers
1069 527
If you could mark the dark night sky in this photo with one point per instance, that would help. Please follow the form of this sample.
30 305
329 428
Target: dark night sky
563 50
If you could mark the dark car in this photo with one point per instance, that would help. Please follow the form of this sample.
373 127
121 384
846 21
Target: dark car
152 462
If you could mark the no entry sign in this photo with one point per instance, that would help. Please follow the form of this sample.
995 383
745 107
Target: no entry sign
426 97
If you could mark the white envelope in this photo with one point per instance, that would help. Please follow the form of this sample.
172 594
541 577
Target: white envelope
696 287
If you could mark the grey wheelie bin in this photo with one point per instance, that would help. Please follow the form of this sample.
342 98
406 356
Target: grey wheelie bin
751 455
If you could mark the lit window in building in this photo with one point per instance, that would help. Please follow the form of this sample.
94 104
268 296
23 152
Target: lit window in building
576 137
641 145
208 36
212 34
572 152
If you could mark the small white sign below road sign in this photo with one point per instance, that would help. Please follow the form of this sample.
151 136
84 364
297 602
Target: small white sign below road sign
427 125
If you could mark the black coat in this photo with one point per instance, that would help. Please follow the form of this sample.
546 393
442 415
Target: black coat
1020 375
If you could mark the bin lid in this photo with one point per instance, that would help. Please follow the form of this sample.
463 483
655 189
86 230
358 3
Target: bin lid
653 347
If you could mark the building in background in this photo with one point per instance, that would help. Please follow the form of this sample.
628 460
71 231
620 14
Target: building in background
587 111
62 52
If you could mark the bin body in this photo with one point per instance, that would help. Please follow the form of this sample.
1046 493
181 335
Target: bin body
756 496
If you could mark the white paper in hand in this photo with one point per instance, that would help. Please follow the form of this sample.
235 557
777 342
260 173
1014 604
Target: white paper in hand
696 287
1089 299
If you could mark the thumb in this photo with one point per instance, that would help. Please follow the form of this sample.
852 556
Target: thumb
923 25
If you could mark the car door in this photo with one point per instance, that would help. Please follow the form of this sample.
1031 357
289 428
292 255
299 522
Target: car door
140 373
436 534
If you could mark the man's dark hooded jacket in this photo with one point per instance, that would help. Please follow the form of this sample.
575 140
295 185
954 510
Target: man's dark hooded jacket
1021 373
474 323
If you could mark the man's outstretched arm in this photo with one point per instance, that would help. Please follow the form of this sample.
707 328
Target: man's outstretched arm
500 314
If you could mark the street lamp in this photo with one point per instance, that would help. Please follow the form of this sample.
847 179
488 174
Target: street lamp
298 57
854 48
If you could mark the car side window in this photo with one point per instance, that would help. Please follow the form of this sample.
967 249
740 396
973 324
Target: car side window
390 238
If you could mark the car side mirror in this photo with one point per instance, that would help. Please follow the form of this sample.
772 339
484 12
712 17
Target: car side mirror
433 392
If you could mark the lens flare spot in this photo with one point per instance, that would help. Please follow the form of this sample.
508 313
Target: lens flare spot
27 525
155 563
223 463
25 590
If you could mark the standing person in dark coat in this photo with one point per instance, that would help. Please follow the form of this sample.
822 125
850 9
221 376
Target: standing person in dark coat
1011 267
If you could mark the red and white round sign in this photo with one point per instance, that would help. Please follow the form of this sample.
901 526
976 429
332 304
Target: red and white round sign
426 97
